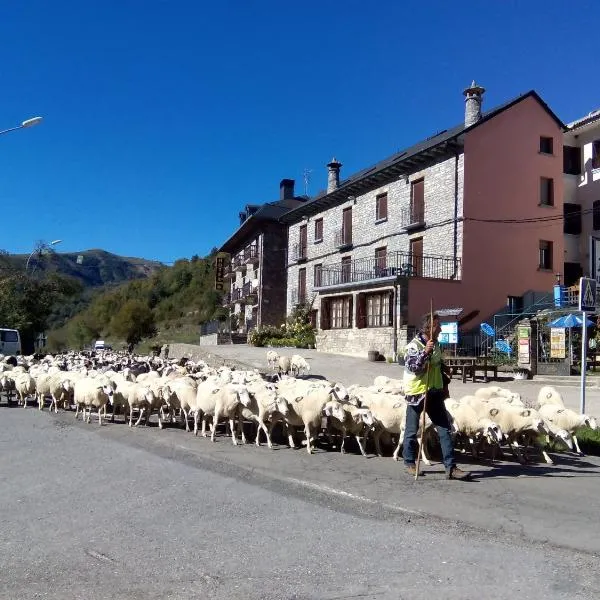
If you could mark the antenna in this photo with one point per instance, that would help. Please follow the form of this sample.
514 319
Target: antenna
306 174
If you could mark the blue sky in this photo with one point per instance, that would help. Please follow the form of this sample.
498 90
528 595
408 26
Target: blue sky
162 119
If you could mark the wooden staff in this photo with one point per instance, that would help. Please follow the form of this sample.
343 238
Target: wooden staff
426 392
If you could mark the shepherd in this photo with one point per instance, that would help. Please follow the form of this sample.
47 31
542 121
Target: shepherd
426 387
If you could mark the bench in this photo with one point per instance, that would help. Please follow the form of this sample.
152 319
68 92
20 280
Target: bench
471 370
468 367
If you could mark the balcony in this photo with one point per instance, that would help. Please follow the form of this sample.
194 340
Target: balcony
249 294
412 217
396 264
238 263
343 238
299 253
228 272
251 254
298 297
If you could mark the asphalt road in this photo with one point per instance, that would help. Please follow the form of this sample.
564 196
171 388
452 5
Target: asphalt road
112 513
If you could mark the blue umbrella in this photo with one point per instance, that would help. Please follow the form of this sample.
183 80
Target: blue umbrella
568 321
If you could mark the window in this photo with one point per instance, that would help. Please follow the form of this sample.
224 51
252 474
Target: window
346 269
318 275
340 312
301 286
417 201
571 160
9 336
302 251
596 154
546 191
318 230
546 145
596 211
572 218
545 255
381 207
375 310
346 238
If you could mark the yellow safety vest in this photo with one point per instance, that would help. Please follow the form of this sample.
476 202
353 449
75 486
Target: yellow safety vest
415 384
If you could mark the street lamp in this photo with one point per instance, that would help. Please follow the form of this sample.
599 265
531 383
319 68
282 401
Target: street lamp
27 123
41 247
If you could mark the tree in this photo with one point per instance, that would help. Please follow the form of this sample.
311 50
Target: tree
133 322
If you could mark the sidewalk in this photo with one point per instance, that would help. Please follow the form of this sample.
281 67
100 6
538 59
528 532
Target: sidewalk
348 370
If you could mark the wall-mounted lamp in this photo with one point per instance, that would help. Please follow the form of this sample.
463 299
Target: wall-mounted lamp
352 199
304 217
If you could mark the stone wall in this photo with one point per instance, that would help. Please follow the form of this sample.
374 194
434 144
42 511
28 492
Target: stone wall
357 342
442 181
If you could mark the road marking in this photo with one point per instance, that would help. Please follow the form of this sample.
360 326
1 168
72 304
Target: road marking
330 490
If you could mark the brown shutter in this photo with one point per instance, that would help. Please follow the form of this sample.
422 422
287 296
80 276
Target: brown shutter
391 307
350 312
361 311
325 314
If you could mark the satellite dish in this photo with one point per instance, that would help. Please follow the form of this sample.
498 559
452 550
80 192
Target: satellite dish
487 329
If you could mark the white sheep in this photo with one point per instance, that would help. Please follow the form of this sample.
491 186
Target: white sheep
263 404
298 365
24 386
272 359
356 423
284 365
88 393
549 395
567 419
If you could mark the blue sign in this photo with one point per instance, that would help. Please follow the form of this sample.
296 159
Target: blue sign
487 329
587 294
559 295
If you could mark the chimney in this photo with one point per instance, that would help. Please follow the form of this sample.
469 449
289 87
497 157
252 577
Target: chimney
333 176
473 100
286 189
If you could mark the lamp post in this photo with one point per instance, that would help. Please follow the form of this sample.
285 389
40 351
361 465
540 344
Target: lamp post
41 247
24 125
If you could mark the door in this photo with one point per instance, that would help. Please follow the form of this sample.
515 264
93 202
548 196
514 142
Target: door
416 257
303 242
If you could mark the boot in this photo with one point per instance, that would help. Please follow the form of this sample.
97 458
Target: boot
456 473
412 470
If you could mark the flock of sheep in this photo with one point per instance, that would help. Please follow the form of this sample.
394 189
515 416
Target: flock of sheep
139 387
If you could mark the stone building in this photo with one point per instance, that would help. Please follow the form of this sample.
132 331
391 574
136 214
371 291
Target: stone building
466 218
257 267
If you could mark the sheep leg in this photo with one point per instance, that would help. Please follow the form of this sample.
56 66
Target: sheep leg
397 449
307 433
232 427
214 424
376 437
262 426
343 439
360 445
516 450
139 420
577 448
240 425
547 457
290 436
424 457
185 419
100 414
40 401
196 417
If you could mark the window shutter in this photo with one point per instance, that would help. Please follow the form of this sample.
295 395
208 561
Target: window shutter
350 313
361 311
391 307
325 315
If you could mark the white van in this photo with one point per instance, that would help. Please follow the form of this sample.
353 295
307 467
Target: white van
10 341
99 345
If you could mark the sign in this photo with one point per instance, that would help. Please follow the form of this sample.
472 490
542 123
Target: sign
449 333
220 262
523 334
557 342
587 294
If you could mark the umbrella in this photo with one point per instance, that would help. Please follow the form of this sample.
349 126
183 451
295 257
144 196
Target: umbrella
568 321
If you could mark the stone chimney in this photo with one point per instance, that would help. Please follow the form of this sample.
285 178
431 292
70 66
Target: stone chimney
473 100
333 175
286 189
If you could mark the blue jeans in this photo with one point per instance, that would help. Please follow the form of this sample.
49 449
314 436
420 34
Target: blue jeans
439 417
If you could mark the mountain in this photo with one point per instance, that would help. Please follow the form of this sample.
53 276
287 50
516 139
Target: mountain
92 268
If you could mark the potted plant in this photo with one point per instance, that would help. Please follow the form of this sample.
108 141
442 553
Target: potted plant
520 373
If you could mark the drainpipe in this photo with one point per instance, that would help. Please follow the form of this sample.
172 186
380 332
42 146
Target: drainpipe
259 295
395 321
454 274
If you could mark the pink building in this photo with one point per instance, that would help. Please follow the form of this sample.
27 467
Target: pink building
471 218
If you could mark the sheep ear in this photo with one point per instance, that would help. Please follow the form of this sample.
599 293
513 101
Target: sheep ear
494 412
216 390
560 410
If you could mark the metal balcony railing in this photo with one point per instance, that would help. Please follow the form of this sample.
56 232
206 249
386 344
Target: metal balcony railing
249 293
251 253
299 253
226 299
397 264
412 216
236 295
343 238
238 263
228 271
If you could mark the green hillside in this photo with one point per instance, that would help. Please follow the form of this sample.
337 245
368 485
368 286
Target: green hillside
169 305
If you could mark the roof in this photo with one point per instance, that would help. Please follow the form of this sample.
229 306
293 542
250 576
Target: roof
589 118
270 211
442 144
